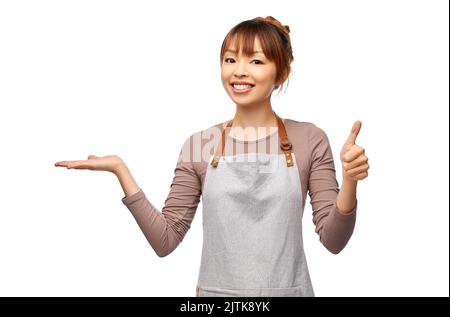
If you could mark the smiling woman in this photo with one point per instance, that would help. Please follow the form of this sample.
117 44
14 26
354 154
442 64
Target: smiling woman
264 38
256 57
253 191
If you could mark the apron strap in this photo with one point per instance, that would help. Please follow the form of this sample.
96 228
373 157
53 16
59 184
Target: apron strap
221 146
286 146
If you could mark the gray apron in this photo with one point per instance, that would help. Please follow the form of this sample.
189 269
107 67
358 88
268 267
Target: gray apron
252 225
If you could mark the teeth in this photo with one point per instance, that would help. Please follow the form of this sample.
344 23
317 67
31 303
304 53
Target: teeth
241 87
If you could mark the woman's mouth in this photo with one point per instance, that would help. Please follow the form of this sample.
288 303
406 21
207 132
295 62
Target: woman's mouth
241 88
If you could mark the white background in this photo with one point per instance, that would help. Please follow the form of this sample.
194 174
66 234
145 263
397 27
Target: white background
136 78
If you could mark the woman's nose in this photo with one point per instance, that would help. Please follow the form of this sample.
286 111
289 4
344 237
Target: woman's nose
240 70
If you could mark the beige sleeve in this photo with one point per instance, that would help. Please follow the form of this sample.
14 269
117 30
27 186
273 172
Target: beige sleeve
333 227
166 229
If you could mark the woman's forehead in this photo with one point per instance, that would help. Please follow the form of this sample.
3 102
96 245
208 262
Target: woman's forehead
231 47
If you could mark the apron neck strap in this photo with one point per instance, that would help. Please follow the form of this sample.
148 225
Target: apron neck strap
286 146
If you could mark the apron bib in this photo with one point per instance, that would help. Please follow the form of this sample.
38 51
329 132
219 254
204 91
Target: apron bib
252 225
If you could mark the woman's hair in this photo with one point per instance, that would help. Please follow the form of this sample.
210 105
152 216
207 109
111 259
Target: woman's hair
274 39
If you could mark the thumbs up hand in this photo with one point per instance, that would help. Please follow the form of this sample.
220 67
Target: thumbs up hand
354 162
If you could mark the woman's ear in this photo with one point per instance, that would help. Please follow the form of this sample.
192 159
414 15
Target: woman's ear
278 83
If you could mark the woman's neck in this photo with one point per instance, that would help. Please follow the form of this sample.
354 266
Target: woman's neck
254 117
251 123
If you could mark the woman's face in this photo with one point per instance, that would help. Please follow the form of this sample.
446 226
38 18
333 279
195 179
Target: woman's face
255 73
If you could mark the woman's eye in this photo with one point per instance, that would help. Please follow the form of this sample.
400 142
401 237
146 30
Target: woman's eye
231 59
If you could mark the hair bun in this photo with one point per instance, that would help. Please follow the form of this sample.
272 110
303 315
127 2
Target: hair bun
275 22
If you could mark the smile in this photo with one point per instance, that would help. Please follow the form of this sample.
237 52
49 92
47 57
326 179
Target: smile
241 89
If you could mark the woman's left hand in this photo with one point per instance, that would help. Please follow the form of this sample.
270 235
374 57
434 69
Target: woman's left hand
354 162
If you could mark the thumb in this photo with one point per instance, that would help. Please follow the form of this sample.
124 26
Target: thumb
92 157
354 133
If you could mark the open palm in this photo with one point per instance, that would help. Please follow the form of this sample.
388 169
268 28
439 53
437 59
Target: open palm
108 163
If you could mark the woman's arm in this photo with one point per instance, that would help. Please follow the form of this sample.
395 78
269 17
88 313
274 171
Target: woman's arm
346 199
126 180
354 168
165 229
333 225
334 209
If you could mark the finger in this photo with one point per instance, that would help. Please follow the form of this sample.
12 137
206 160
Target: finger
62 163
354 132
360 160
353 153
361 176
92 157
78 165
358 170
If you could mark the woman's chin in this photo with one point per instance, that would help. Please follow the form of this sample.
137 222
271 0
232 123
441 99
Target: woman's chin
244 104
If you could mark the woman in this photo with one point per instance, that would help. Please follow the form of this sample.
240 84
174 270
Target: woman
253 173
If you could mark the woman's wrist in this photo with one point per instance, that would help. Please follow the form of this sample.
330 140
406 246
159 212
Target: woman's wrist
346 199
126 180
121 167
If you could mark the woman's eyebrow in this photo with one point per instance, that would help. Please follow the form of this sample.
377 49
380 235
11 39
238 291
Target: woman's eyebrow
254 52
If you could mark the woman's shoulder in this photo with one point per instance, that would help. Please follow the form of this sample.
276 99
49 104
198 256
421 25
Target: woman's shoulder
210 131
303 127
198 139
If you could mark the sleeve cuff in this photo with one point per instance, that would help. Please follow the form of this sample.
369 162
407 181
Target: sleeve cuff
344 216
128 200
